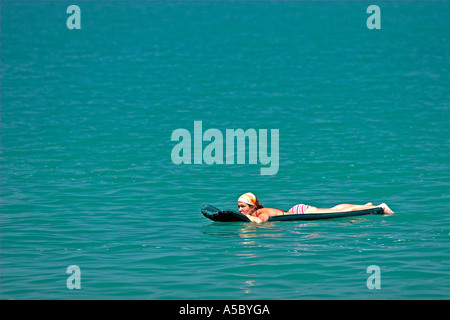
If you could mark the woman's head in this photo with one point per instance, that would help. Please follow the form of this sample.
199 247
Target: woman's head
248 203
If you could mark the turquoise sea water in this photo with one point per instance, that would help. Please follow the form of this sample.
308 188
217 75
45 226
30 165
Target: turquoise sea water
87 177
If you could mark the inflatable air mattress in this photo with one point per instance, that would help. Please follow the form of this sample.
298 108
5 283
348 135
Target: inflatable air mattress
216 214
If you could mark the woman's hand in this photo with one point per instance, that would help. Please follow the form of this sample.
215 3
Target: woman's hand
254 219
263 216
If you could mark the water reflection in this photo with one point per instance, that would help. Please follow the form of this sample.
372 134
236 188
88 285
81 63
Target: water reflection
250 232
248 286
291 239
276 234
246 231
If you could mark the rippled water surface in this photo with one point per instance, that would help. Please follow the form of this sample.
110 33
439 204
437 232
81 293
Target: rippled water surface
87 177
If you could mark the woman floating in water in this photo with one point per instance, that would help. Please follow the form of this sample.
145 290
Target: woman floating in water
249 205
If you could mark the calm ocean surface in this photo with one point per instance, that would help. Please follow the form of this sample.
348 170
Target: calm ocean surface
87 177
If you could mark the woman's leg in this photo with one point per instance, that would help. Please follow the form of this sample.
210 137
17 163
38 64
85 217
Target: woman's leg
348 207
352 207
338 208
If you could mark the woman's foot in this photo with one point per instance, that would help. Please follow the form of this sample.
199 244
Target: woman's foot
387 210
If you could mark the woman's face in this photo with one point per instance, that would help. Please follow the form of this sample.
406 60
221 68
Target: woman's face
246 209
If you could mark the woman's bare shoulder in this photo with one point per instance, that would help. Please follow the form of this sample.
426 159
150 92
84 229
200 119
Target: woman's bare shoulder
270 211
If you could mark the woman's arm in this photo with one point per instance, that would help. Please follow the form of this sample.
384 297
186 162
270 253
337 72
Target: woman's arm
262 215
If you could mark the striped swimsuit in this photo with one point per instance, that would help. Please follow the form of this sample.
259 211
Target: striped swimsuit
299 208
